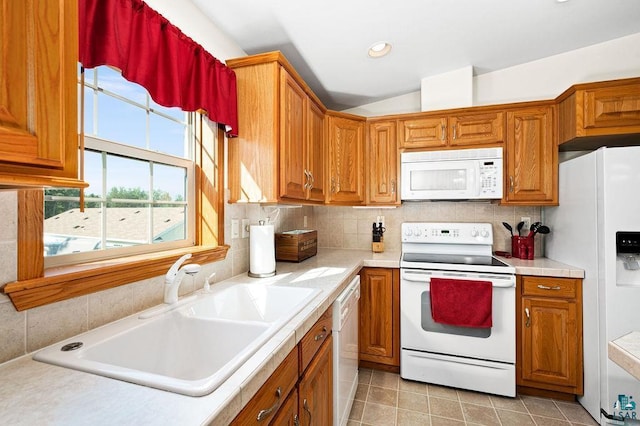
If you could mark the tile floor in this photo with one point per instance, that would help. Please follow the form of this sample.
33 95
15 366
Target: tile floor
385 399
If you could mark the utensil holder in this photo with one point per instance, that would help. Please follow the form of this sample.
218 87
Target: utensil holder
522 247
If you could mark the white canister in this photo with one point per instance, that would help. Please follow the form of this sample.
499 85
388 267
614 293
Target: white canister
262 250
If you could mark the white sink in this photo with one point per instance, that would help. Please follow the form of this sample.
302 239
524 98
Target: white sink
250 302
190 350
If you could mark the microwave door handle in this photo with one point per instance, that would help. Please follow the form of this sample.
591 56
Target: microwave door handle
477 183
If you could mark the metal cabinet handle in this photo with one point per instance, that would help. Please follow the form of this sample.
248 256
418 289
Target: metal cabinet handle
306 175
526 312
455 136
544 287
321 335
311 180
305 405
296 422
443 130
263 414
393 186
333 185
511 184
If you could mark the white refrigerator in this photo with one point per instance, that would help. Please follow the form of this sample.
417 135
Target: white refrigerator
599 199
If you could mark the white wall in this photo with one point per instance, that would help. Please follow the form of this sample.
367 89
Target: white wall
191 21
542 79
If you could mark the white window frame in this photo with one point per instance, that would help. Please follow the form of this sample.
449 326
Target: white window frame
110 147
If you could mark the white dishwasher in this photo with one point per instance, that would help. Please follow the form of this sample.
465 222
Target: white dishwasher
345 351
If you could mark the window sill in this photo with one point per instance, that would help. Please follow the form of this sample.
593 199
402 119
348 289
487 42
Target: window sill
67 282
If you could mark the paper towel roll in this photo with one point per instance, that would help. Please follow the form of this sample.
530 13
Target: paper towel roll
262 251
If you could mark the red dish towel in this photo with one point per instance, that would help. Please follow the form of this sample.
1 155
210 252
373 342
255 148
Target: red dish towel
462 303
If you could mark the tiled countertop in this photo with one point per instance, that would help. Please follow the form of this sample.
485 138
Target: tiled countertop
36 393
543 267
625 351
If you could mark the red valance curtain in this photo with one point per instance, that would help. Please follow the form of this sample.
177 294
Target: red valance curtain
152 52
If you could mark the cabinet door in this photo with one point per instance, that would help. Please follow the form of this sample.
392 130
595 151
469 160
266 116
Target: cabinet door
382 163
610 108
293 136
346 160
38 94
477 129
315 400
531 175
379 333
549 341
287 415
264 405
423 132
316 153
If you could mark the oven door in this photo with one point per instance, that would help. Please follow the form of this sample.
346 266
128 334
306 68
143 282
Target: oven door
418 331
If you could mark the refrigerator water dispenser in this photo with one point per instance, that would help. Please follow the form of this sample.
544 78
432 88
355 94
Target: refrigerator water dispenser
628 254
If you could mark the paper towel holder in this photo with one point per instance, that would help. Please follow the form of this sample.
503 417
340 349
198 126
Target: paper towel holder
270 252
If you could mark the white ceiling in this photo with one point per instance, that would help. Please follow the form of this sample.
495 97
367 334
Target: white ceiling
327 41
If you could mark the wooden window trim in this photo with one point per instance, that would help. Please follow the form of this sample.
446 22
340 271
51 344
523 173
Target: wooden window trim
37 286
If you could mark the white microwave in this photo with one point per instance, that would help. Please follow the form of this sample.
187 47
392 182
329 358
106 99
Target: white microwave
461 174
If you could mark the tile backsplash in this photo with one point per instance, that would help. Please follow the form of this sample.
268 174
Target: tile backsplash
348 227
338 227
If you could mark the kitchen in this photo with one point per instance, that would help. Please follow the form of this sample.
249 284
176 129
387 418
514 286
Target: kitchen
338 227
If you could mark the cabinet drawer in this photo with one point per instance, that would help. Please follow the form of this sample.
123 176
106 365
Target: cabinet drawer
271 395
550 287
314 338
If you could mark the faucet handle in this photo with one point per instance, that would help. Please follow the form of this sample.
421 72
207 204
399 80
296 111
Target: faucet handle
173 270
208 282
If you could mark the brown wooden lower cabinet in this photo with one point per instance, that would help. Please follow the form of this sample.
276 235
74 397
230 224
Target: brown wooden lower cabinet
315 400
379 334
549 336
293 395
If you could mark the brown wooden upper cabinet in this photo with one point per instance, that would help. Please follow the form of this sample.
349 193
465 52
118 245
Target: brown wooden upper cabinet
455 130
301 143
382 163
599 111
38 94
346 159
531 157
279 152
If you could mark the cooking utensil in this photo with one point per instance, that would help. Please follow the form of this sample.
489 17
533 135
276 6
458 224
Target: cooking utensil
542 229
509 228
532 229
519 227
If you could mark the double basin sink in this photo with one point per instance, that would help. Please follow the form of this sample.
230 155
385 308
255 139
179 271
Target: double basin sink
189 348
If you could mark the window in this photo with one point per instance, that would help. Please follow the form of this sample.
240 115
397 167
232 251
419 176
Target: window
183 180
138 161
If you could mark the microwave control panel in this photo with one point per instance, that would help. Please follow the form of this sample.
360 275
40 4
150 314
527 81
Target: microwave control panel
491 177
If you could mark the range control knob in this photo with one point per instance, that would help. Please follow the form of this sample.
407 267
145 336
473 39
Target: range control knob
474 233
418 232
484 233
408 232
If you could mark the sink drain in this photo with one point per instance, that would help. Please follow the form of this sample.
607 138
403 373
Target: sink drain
71 346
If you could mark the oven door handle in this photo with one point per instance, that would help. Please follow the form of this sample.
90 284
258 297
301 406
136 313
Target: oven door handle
419 276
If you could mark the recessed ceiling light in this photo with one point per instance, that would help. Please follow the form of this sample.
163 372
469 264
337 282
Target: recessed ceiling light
378 50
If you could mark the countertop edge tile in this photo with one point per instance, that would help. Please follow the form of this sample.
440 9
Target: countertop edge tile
625 351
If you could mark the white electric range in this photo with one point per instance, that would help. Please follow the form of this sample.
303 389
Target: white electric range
480 359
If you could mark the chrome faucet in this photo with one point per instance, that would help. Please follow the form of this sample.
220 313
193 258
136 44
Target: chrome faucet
174 278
